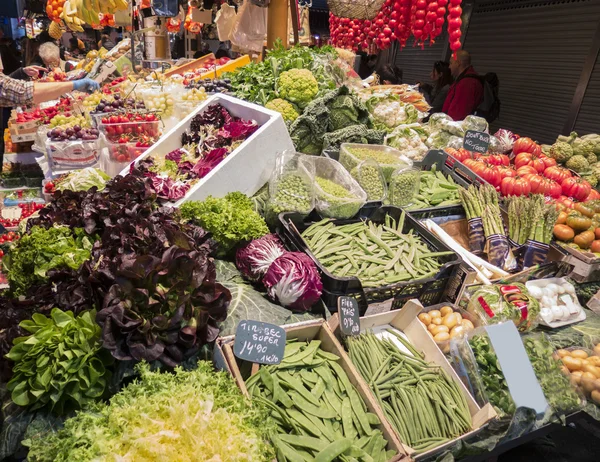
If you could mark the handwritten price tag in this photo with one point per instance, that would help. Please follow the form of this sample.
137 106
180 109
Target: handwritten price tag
259 342
476 141
349 316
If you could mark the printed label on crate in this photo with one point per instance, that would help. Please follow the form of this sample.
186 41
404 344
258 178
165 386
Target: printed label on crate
476 141
516 367
349 315
259 342
69 154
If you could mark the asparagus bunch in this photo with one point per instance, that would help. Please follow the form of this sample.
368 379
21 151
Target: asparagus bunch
492 221
471 202
530 218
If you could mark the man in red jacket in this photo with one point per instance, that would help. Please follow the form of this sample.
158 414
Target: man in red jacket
466 93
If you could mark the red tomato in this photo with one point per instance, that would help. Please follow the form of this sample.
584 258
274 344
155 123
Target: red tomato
558 174
545 186
564 200
576 188
527 159
526 170
459 154
506 171
491 174
526 145
515 186
476 165
592 196
548 161
497 159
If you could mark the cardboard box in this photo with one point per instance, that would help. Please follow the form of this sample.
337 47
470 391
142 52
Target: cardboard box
320 330
22 138
406 321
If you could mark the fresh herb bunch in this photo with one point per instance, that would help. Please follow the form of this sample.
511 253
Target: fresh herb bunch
494 383
196 415
556 386
41 250
61 365
231 220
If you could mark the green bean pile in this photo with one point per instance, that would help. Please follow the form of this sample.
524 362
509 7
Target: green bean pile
319 414
376 254
421 402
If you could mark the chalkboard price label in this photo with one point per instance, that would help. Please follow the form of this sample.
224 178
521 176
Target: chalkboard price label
259 342
349 316
476 141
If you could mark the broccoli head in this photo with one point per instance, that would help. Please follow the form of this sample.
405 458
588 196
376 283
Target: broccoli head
561 151
285 108
298 86
578 164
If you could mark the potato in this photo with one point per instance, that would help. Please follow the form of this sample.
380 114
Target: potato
594 360
597 349
437 321
593 369
431 326
450 320
446 348
437 329
467 324
425 318
442 337
435 314
579 354
573 364
459 317
562 353
587 381
564 370
576 377
596 396
446 310
597 384
457 331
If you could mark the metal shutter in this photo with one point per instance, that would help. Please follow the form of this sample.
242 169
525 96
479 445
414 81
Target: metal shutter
588 119
416 63
537 49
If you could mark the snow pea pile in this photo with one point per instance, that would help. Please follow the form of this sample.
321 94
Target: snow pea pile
421 402
377 254
319 415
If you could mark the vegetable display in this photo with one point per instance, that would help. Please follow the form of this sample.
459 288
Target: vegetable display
317 412
60 365
423 405
377 254
191 414
559 392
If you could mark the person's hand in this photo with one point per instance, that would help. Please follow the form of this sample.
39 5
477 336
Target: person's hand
34 71
86 85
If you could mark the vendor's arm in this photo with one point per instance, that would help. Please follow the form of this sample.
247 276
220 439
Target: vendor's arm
54 90
20 93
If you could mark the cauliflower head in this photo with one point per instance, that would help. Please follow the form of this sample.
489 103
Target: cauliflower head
285 108
591 178
298 86
561 151
578 163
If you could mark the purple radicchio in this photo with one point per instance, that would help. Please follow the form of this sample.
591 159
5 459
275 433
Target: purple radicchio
292 280
506 139
168 189
253 260
239 129
209 161
175 155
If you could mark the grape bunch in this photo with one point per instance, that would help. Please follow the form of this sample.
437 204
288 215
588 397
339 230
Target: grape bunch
212 85
162 103
67 120
75 133
194 95
91 101
117 103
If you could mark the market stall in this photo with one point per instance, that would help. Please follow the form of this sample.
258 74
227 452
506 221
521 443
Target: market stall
292 265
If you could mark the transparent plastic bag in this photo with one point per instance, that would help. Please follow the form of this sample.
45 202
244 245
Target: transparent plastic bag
337 194
408 141
437 120
404 186
371 179
250 27
290 186
455 142
476 123
389 159
225 20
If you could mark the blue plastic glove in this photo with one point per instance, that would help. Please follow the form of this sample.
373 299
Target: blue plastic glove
86 85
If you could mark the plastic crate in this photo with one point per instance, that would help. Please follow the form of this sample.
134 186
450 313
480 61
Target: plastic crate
114 131
13 182
429 290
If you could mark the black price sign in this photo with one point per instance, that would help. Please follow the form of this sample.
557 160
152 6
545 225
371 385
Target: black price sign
259 342
476 141
349 316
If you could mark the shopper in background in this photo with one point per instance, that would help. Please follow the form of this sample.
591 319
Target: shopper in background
436 92
390 75
49 54
466 93
106 42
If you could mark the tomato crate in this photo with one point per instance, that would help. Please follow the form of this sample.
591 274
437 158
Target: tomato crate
428 290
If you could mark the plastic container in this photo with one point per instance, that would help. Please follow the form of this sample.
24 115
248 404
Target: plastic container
429 290
114 131
388 158
13 181
570 316
444 345
124 152
34 182
404 186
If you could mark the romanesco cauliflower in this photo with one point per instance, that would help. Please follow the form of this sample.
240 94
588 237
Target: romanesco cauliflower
561 151
578 163
285 108
298 86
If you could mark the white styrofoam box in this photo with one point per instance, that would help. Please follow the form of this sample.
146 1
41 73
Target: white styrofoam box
248 167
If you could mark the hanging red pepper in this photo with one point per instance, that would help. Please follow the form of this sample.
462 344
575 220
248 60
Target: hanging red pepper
454 23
